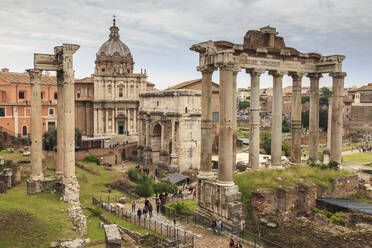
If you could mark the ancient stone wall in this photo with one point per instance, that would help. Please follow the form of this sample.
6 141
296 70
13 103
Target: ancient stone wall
301 197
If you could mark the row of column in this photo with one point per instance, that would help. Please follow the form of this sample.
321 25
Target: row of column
228 119
65 163
101 123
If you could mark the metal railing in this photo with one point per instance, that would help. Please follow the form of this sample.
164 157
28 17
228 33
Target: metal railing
165 230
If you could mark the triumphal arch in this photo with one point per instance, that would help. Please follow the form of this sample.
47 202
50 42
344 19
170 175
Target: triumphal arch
262 50
61 62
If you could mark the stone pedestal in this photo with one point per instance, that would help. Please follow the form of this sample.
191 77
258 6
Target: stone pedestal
219 202
70 190
112 236
45 185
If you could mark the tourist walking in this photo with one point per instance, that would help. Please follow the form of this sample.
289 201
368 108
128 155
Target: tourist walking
219 227
214 226
157 202
133 206
150 209
139 213
122 164
238 244
231 244
144 212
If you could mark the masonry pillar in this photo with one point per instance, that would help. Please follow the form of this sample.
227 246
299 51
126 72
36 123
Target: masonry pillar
314 116
71 191
206 124
60 126
329 125
254 119
147 146
135 121
36 127
235 74
173 155
296 127
225 147
337 115
276 126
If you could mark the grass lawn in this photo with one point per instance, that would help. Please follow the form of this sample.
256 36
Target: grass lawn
268 178
19 212
15 156
37 220
357 158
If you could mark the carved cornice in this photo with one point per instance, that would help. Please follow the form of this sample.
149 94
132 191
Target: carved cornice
255 72
35 75
337 74
314 75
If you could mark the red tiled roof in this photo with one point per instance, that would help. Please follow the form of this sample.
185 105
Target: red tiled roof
24 78
84 80
188 83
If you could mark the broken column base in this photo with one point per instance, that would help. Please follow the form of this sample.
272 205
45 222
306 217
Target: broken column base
112 236
71 190
43 185
216 202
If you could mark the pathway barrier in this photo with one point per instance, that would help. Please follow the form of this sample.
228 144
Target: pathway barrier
163 229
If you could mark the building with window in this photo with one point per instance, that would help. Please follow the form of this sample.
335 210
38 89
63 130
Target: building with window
116 90
15 106
196 84
169 129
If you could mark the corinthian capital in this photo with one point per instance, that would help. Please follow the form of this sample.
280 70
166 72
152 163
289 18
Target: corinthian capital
338 74
255 72
206 69
35 75
278 73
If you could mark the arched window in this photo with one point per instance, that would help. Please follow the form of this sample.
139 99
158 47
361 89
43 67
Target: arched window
120 92
186 110
24 131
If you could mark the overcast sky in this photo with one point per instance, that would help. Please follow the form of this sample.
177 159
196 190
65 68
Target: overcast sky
159 33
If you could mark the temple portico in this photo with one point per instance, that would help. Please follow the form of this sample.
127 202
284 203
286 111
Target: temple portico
261 51
61 62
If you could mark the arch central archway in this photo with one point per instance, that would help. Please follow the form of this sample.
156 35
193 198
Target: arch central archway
156 143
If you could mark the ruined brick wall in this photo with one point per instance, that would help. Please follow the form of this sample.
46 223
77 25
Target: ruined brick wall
301 197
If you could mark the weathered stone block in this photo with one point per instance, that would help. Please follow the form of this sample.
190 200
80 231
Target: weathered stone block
112 236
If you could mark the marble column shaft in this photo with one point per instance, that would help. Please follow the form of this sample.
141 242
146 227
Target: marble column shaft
329 125
296 118
276 125
314 116
69 114
60 126
235 74
225 147
337 115
254 120
36 126
206 125
162 137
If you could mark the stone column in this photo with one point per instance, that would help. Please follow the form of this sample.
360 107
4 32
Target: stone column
60 126
107 121
337 115
276 126
173 155
225 147
147 148
206 124
329 124
162 137
314 116
254 119
296 118
235 74
71 189
36 126
135 121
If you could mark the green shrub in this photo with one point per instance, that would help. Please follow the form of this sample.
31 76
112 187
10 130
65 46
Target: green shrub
164 187
335 219
181 208
92 158
96 212
144 189
324 212
333 165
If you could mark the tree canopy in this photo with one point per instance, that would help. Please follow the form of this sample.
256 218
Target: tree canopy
50 138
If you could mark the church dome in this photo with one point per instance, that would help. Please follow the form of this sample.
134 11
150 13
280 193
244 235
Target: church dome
114 56
110 47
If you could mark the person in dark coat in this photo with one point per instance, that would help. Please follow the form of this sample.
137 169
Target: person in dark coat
139 213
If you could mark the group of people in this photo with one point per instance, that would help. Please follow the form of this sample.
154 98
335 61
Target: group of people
147 209
217 225
235 244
